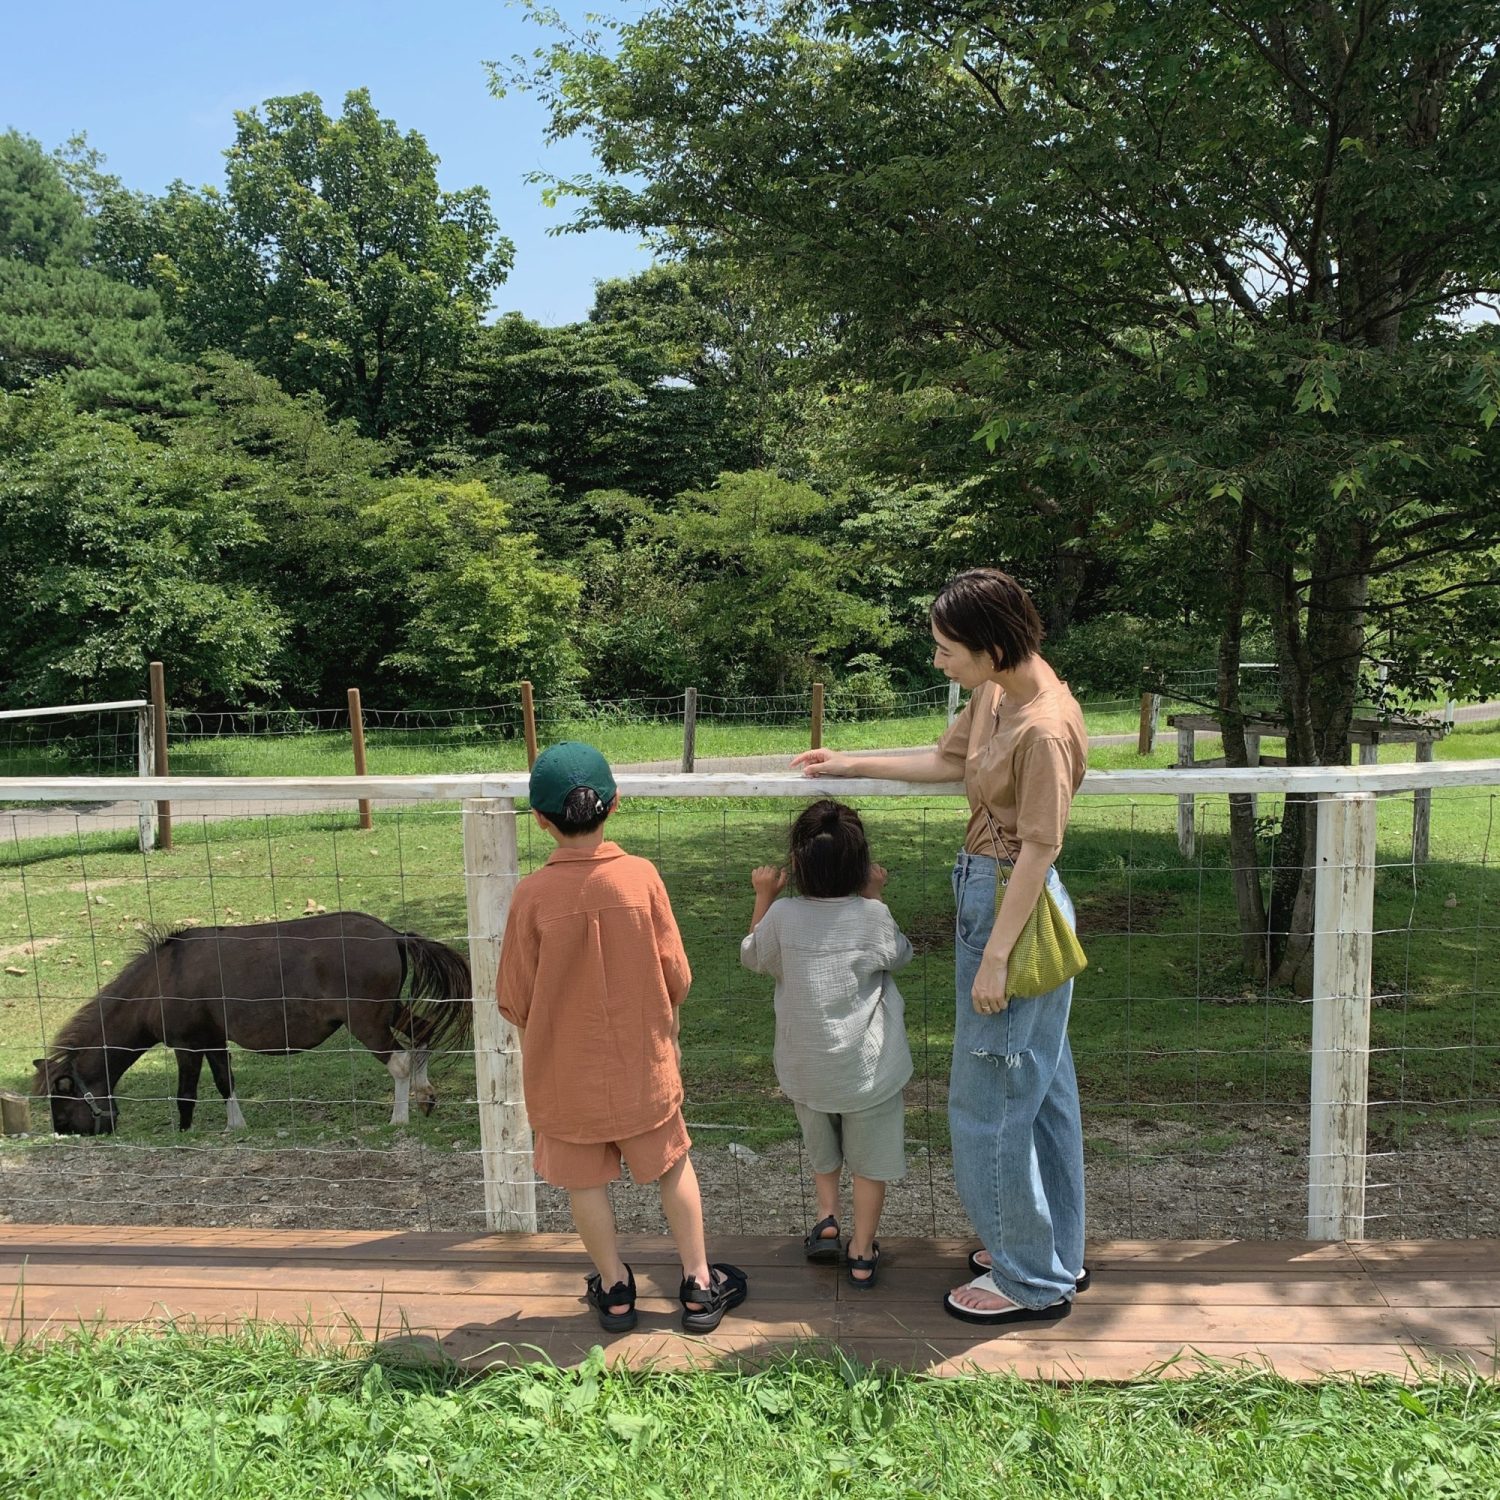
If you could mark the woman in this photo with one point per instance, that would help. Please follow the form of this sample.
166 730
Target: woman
1021 748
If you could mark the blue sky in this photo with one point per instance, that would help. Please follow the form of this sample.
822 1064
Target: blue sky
155 85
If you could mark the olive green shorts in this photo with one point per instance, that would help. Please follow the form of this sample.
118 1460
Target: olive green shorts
870 1142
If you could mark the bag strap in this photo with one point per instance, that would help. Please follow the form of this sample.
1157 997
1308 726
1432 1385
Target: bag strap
995 844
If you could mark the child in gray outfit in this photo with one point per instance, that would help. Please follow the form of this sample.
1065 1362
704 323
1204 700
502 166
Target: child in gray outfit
841 1051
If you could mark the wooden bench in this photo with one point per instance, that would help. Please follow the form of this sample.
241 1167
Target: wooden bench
1366 736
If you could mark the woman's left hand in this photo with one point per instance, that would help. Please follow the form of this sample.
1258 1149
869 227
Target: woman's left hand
988 994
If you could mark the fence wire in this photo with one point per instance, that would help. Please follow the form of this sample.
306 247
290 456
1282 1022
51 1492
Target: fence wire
71 742
1194 1075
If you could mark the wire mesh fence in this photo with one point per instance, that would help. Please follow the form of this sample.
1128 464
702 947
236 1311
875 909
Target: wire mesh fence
96 739
1194 1076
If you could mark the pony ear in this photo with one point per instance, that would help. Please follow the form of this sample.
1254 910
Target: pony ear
39 1062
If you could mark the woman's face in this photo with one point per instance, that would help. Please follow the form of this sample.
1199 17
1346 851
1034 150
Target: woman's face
957 663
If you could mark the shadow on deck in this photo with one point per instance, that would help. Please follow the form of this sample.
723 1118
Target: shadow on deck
1303 1309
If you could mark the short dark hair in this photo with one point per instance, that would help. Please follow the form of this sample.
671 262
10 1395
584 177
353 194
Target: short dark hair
583 811
987 610
830 856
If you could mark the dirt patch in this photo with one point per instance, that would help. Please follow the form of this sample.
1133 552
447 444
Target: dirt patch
1162 1181
29 950
1131 911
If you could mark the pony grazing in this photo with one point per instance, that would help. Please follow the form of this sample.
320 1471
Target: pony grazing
273 987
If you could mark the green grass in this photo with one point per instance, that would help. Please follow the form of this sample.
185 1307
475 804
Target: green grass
1165 1024
459 749
262 1414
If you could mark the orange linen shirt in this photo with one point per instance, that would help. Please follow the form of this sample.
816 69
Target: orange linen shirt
592 967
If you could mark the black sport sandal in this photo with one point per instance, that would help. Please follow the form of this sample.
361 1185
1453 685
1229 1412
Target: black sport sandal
601 1301
703 1309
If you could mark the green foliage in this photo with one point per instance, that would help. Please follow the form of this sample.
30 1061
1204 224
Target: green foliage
476 610
636 398
41 223
62 317
637 621
774 597
332 261
1164 266
116 552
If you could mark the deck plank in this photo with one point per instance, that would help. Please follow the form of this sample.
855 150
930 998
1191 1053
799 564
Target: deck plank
1306 1309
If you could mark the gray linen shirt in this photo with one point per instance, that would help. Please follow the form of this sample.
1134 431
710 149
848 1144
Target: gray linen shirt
840 1020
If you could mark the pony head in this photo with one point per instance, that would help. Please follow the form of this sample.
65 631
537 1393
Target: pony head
79 1107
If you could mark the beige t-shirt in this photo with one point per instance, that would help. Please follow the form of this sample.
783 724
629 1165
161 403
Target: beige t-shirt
1022 763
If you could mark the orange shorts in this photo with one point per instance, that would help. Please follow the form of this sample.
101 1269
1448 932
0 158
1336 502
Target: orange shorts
576 1165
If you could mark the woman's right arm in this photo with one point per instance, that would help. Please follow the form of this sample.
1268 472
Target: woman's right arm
910 765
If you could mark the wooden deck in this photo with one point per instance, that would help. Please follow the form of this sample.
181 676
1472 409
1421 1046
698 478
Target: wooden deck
1305 1309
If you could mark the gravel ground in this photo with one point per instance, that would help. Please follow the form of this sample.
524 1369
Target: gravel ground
1141 1185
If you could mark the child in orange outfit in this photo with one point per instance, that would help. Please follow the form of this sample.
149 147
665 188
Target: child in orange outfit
592 970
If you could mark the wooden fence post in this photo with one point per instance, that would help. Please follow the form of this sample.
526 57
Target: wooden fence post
15 1114
528 723
1145 740
491 870
1421 810
817 716
952 701
689 728
357 732
1343 921
159 751
145 761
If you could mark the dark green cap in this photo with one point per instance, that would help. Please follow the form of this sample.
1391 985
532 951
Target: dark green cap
560 769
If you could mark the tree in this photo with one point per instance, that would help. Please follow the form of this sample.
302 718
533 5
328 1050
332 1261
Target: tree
118 551
1206 265
474 610
638 397
60 316
332 261
775 600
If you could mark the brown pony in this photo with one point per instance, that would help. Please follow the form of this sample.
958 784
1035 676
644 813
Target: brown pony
274 987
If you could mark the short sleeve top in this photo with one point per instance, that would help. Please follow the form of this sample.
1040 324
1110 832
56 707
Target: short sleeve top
1021 763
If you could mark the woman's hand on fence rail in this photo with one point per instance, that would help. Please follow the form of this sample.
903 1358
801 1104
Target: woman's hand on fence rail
911 765
876 883
824 763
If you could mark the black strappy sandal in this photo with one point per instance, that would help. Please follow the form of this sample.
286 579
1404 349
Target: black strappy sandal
870 1263
601 1301
979 1268
820 1249
703 1309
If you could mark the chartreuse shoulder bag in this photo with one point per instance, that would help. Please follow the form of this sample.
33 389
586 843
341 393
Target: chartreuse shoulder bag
1047 953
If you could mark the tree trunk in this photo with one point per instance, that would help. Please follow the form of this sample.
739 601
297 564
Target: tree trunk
1244 856
1289 921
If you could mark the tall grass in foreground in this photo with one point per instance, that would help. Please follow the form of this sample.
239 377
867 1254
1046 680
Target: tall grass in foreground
260 1414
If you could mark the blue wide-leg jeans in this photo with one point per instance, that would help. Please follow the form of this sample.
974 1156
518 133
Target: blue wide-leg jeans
1013 1111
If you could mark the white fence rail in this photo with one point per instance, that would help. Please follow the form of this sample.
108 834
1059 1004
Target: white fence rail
1345 881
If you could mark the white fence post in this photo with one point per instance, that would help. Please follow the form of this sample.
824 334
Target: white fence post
145 762
1186 809
491 870
1344 919
952 701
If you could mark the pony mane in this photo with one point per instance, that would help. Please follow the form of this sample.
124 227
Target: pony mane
81 1029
